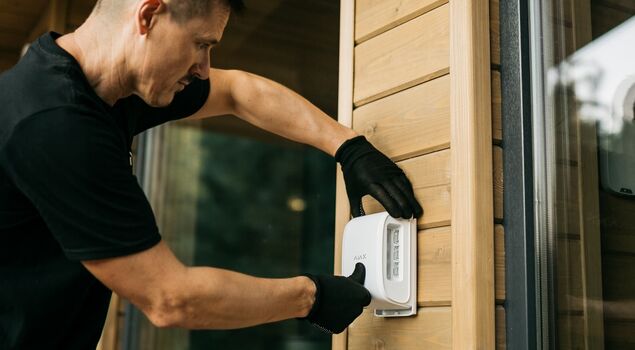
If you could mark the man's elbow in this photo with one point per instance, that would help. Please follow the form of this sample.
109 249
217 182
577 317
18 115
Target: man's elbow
169 310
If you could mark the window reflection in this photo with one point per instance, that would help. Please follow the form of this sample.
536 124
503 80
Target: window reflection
588 155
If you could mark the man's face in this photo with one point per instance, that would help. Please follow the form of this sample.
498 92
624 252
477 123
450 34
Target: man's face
175 53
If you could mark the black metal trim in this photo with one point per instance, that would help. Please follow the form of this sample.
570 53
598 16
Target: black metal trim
520 304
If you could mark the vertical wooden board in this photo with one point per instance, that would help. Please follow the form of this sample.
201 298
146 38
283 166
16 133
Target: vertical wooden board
501 329
497 113
409 123
499 262
498 182
430 329
494 18
430 177
410 54
373 17
342 216
473 292
434 269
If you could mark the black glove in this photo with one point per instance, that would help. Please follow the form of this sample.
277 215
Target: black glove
368 171
338 300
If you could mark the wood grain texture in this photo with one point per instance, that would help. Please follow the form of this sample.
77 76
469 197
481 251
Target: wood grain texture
497 110
373 17
412 122
497 157
494 18
473 325
429 329
434 269
344 117
501 329
499 263
342 216
410 54
430 177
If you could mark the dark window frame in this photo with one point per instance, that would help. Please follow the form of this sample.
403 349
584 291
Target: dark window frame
520 272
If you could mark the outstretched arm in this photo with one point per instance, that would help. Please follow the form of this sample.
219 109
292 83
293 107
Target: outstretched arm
273 107
171 294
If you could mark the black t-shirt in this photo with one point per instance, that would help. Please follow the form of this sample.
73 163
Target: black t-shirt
67 193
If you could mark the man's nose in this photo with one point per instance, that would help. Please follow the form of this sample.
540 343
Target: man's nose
201 69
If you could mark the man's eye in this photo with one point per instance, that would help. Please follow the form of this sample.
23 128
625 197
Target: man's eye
204 46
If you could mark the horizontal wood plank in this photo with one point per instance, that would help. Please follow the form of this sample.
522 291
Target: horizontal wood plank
374 17
499 263
434 269
410 54
498 182
501 329
430 177
494 18
409 123
497 112
430 329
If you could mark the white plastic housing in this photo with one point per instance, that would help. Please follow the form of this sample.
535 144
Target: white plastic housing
388 249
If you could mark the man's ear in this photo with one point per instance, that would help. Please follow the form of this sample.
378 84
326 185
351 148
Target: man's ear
146 13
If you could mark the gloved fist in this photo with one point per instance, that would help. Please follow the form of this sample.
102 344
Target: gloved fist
338 300
368 171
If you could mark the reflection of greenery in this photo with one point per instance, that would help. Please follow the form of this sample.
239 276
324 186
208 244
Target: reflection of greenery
244 223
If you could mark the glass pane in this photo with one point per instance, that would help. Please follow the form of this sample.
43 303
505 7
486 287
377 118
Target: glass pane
261 208
584 98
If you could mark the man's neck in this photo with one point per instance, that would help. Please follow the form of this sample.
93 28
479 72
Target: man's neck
101 61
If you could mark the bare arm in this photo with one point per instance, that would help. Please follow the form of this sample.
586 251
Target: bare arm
273 107
173 295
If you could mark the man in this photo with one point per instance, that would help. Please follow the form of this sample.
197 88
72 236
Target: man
74 223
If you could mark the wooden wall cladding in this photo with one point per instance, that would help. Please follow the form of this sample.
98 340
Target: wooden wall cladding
374 17
501 331
430 329
494 41
430 177
434 248
499 263
412 53
435 272
497 158
409 123
497 113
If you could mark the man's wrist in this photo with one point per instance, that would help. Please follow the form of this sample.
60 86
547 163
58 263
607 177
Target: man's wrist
308 296
339 139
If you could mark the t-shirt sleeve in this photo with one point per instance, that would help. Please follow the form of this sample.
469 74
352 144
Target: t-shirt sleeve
74 168
184 104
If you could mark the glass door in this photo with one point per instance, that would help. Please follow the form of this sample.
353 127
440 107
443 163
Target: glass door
583 100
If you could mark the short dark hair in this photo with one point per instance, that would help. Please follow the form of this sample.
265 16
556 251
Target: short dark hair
183 10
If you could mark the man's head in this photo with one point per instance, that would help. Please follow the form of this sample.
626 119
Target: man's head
167 43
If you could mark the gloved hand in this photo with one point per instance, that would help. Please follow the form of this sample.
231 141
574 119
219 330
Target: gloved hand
368 171
338 300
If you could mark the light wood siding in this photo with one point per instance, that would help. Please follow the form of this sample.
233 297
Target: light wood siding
412 53
430 329
497 140
409 123
401 100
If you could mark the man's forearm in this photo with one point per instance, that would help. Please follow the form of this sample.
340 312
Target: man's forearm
211 298
277 109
